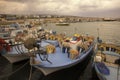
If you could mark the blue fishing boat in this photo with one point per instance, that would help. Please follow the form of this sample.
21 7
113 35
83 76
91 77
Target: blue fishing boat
107 62
54 58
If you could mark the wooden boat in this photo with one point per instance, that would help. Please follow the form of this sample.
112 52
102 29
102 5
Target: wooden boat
58 58
17 52
14 52
107 61
62 24
15 40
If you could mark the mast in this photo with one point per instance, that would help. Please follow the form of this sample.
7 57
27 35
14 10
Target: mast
98 38
98 34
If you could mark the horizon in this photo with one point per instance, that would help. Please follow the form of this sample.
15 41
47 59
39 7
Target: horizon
86 8
60 15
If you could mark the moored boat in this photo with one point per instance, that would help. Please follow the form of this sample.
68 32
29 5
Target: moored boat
13 52
56 57
107 61
62 24
17 52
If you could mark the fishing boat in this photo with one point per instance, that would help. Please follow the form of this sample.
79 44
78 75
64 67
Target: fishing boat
17 52
107 61
62 24
15 41
13 52
58 58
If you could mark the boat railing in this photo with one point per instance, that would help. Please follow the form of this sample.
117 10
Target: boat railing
108 52
85 51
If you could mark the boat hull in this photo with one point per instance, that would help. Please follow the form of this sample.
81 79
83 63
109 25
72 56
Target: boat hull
65 74
99 72
14 58
113 75
15 55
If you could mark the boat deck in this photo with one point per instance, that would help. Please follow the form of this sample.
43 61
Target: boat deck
60 59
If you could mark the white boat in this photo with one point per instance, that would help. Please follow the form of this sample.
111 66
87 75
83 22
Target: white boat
17 53
107 62
62 24
14 52
59 60
15 39
17 50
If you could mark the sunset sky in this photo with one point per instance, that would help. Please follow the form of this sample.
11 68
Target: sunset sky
88 8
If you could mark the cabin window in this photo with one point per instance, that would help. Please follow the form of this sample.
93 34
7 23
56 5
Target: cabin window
113 49
6 35
107 48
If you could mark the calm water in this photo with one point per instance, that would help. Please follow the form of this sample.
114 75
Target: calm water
108 31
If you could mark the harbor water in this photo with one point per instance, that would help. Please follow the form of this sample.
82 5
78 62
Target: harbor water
108 31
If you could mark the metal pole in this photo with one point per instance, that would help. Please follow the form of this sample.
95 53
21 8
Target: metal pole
118 70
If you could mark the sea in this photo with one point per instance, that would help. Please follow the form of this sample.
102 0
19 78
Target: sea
107 31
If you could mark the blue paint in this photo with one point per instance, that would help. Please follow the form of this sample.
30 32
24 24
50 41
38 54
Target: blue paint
3 51
60 58
103 69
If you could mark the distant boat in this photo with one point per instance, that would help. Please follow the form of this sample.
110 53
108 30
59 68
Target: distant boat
107 62
62 24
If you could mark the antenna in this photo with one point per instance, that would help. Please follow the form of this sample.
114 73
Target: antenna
98 38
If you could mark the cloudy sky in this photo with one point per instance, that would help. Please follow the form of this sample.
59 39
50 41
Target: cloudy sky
89 8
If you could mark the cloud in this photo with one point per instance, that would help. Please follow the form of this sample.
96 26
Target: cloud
64 7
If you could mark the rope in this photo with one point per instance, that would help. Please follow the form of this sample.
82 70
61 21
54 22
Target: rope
30 73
